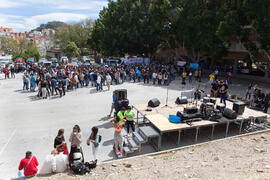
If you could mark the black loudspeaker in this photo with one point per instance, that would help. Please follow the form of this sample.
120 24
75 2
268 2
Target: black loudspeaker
190 110
154 102
120 94
120 104
220 107
181 100
229 113
213 100
239 107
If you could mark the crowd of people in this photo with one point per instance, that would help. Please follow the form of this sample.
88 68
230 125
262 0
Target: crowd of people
49 81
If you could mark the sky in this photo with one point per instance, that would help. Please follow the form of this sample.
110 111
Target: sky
25 15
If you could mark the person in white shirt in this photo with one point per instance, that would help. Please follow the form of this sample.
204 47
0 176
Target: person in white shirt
108 81
154 76
98 82
54 163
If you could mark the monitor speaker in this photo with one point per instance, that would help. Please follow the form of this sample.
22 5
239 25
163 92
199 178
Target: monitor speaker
181 100
239 107
229 113
154 102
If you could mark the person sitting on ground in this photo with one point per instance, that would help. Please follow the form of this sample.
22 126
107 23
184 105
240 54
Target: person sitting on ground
56 162
118 139
59 142
29 165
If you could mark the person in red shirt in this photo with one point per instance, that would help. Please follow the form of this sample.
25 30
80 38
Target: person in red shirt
29 165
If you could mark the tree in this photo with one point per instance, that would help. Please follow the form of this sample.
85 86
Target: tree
32 51
71 50
77 33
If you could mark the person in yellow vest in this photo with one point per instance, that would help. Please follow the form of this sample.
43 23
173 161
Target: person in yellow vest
129 114
121 115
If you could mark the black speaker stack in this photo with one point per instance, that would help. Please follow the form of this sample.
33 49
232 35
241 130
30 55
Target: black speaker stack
121 100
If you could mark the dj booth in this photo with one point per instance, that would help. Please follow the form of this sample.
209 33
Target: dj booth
158 118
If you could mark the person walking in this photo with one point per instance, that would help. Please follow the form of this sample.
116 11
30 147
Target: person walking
94 140
190 77
29 165
118 139
129 114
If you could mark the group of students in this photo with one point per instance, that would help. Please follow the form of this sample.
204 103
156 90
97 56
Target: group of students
60 158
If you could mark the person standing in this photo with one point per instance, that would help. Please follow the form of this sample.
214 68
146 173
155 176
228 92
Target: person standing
29 165
159 78
190 77
33 83
98 87
5 71
94 140
223 92
108 81
211 78
121 115
76 139
154 76
12 70
129 114
184 76
118 139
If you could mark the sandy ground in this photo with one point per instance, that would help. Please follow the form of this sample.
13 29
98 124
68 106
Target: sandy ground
242 158
31 124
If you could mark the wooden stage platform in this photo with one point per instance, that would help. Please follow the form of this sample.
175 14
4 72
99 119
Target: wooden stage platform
158 118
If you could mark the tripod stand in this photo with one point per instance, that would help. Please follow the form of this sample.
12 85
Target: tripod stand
166 105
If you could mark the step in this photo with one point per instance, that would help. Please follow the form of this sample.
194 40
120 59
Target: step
148 132
127 150
133 144
138 137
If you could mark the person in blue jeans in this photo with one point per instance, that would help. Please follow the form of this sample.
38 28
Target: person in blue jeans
223 92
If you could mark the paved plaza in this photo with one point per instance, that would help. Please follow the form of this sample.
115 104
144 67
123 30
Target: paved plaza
31 124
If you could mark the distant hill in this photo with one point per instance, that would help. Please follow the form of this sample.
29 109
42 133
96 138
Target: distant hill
53 25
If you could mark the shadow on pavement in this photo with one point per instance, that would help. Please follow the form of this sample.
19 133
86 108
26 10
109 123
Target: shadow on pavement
106 125
108 142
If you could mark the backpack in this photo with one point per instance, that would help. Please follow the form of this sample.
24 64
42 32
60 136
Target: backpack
79 168
91 164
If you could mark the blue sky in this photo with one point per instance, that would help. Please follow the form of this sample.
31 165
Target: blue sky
24 15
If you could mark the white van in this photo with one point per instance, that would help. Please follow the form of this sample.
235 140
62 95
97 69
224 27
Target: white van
114 62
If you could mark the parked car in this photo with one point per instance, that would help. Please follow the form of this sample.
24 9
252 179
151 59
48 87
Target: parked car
42 60
85 59
31 60
54 60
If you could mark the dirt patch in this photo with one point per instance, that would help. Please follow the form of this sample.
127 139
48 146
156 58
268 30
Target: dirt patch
244 158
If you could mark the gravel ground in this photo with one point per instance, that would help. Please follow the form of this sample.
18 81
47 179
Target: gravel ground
242 158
